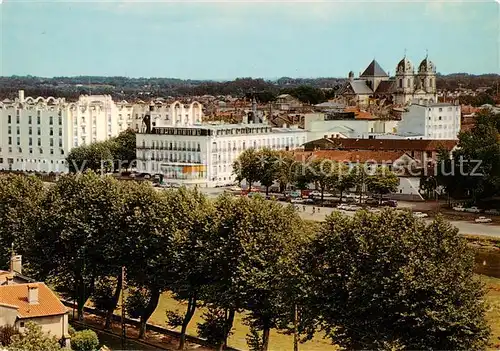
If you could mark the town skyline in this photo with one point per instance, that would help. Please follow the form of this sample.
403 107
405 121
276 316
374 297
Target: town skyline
223 41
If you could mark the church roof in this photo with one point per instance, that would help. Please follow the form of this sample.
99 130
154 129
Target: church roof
374 70
384 86
360 87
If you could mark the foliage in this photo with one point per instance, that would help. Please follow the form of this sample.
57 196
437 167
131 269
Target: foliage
136 302
391 279
247 166
124 150
19 195
382 181
102 296
34 339
6 333
174 319
96 156
254 339
474 170
85 340
306 94
212 328
71 330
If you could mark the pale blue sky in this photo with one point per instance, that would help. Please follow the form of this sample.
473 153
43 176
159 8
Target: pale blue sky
224 40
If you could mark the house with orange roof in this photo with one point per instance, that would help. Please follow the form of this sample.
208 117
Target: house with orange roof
22 300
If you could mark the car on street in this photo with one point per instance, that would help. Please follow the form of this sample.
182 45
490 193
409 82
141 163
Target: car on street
390 203
353 208
459 208
482 219
315 193
492 212
344 207
297 201
473 209
420 214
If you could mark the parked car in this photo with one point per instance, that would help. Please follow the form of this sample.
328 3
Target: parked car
473 209
492 212
390 203
420 214
482 219
344 207
315 193
297 201
459 208
353 208
372 202
309 201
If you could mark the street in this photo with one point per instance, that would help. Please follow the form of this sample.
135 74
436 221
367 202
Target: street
464 227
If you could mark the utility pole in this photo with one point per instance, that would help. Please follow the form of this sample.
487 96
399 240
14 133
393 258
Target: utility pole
295 329
124 331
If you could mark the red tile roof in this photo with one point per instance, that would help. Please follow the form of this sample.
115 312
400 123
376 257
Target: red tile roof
389 144
361 156
17 295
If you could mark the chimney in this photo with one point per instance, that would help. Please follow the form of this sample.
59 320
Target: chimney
16 264
33 294
10 279
21 95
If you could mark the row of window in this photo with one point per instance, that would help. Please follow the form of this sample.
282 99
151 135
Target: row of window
30 150
38 120
30 131
30 141
172 157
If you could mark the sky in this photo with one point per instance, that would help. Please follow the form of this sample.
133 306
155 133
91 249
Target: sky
228 39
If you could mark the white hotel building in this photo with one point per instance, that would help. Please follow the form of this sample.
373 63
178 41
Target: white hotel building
203 154
36 134
430 120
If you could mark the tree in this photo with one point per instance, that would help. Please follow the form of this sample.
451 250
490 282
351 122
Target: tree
284 165
346 179
252 250
382 181
96 156
6 333
267 172
390 281
76 239
324 173
148 217
213 327
137 301
124 150
85 340
192 215
247 166
19 195
34 339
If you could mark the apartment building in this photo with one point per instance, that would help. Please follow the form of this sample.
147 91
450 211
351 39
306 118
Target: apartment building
438 121
36 134
204 154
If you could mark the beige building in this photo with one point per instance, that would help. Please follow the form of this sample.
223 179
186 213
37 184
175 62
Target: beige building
22 302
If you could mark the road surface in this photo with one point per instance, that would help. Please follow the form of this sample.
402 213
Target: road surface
464 227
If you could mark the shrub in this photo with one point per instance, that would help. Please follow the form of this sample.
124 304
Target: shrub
212 328
85 340
6 334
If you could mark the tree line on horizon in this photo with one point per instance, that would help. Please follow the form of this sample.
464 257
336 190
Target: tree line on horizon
145 88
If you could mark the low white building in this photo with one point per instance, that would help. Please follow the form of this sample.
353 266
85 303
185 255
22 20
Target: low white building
204 154
318 125
430 120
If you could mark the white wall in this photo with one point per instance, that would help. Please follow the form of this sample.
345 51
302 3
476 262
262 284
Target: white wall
434 121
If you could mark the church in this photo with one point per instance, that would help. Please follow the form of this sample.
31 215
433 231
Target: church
405 86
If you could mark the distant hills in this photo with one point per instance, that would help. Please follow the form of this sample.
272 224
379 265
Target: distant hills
134 88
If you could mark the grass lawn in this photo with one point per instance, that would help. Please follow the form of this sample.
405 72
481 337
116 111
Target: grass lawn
280 342
277 341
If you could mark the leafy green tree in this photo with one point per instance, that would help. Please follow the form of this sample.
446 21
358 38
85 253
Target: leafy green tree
95 156
213 327
346 179
477 160
284 169
268 171
102 296
306 94
148 217
75 241
192 215
19 195
85 340
124 150
260 237
136 302
247 166
6 333
381 281
383 181
324 173
34 339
